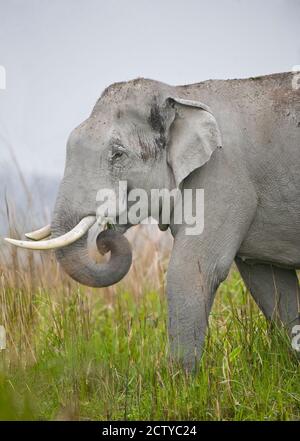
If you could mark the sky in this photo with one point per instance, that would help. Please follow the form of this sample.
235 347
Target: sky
59 55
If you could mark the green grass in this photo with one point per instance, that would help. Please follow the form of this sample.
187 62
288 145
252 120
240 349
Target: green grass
93 357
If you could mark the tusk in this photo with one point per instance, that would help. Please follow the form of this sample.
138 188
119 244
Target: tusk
42 233
58 242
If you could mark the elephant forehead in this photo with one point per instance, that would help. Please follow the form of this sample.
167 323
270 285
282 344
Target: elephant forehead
132 107
135 98
139 87
124 109
90 135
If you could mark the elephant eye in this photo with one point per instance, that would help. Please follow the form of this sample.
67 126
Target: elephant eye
117 152
117 155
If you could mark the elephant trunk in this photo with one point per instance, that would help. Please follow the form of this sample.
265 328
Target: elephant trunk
69 234
77 263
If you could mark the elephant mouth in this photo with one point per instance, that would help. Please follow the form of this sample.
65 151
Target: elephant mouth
37 237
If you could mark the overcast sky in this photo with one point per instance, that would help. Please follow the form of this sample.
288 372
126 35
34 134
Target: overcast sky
60 54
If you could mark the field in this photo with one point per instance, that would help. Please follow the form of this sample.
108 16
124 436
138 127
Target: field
79 353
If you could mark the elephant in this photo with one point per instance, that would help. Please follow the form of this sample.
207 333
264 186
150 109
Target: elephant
239 141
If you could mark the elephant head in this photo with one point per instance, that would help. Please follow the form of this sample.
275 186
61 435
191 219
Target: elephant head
139 132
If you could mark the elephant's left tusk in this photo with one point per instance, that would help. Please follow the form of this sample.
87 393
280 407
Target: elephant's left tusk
58 242
42 233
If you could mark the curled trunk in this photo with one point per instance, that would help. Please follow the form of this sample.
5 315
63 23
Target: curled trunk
77 263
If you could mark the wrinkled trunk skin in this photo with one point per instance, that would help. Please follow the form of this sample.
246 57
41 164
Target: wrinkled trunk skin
76 261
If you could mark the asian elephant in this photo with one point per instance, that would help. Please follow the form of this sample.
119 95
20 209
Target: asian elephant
239 140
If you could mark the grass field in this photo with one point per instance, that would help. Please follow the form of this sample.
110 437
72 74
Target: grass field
78 353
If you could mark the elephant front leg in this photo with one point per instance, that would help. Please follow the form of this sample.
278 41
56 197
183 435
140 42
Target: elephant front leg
191 285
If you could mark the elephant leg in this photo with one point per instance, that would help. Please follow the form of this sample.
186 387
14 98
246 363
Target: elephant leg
200 262
197 267
275 290
190 295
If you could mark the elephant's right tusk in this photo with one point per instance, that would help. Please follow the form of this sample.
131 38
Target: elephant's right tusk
42 233
58 242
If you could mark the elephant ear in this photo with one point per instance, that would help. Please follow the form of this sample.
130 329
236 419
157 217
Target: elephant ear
193 136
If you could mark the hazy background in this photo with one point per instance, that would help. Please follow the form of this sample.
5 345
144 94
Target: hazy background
60 54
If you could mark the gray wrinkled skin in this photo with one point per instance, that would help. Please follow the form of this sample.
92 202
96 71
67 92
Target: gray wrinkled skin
251 186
